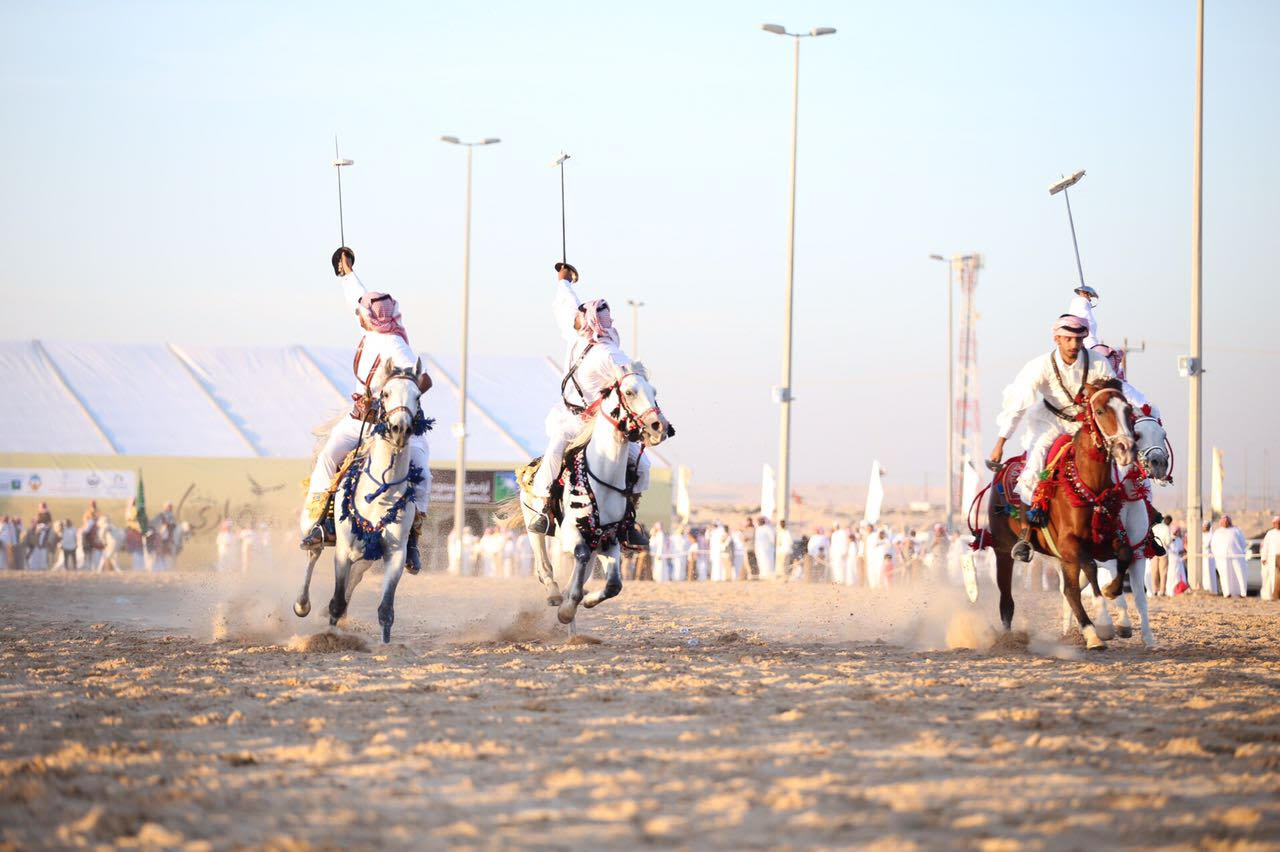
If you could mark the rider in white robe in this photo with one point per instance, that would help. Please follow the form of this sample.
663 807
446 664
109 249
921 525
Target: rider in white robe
594 361
1045 392
382 341
1082 306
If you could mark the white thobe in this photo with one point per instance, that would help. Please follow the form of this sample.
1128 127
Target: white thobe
1270 553
375 348
658 551
839 552
766 553
677 556
852 570
1209 568
1177 565
1080 307
715 543
786 542
739 553
1229 552
1025 395
600 367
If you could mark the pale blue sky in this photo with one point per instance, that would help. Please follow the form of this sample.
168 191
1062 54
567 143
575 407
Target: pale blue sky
166 178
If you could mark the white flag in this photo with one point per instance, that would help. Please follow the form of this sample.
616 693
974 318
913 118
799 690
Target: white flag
1216 484
768 493
875 495
683 477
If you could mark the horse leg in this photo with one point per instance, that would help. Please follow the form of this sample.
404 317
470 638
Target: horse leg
392 570
302 606
613 579
341 571
1071 580
1004 580
1105 627
543 570
581 565
1140 601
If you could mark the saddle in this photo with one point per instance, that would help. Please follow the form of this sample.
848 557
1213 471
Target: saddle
555 501
1006 479
324 516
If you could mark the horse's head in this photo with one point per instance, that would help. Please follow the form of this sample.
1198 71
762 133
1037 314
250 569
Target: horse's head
1153 449
1111 415
637 414
398 400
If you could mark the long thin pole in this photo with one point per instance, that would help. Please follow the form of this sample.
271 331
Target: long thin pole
342 230
564 251
1194 508
784 431
1066 193
951 399
460 471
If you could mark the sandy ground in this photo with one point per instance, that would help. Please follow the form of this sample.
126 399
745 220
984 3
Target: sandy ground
192 710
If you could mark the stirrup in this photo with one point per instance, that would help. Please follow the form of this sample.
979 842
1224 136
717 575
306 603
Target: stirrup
543 524
635 538
320 535
1021 550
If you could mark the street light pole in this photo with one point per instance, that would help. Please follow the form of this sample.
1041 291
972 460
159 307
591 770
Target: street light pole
784 391
636 305
460 428
951 384
1194 509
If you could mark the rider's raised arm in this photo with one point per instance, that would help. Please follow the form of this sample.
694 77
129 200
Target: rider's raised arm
352 289
564 307
1019 395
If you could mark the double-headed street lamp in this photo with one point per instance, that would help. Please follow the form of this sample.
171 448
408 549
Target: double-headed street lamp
951 383
460 428
784 391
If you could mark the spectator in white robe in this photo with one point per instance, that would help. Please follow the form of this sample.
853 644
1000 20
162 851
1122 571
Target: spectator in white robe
819 553
766 548
225 544
67 538
738 540
1229 552
839 553
717 538
38 546
677 555
659 551
878 545
785 544
1177 561
699 556
1270 555
853 573
1209 570
453 550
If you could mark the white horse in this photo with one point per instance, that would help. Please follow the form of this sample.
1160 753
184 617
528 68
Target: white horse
375 501
1155 460
596 494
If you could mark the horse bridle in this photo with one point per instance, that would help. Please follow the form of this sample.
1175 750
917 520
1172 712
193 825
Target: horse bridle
634 427
385 416
1143 454
1100 438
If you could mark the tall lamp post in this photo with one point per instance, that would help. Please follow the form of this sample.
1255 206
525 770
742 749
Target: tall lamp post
951 384
460 428
636 305
1194 366
784 390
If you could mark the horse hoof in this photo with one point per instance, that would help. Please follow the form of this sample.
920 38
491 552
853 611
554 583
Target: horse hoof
568 611
1151 643
1105 631
1124 632
555 600
1091 640
302 608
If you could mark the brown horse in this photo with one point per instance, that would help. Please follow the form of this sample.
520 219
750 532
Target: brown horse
1081 484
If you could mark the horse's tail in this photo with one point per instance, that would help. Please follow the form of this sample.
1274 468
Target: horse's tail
508 515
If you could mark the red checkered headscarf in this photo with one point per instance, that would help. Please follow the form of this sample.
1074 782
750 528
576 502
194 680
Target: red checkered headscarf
381 313
597 321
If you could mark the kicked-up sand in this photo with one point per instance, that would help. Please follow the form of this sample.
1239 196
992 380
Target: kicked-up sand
194 711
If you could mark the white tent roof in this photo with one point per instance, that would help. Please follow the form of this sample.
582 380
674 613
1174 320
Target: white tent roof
181 400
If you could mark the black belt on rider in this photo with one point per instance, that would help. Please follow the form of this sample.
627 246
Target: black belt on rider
569 377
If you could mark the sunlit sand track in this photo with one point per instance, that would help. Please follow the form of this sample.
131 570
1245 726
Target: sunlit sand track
194 710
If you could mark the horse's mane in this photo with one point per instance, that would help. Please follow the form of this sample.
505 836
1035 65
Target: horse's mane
584 436
1108 384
